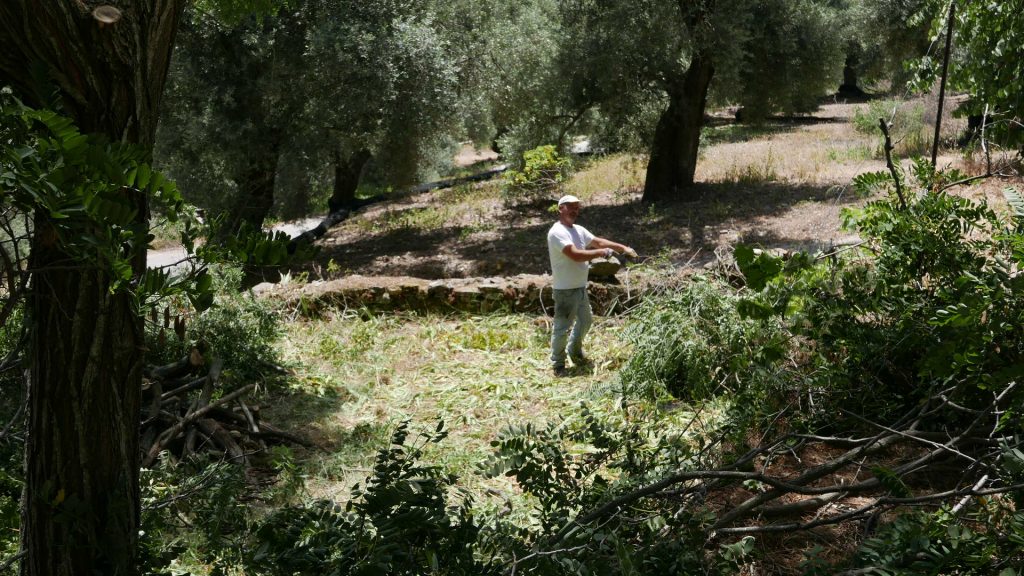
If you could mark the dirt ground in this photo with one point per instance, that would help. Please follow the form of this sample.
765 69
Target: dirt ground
782 185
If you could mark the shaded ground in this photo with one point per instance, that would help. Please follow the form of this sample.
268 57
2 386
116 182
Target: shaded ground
779 185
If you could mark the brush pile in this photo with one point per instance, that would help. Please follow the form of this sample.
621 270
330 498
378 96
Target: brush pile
187 410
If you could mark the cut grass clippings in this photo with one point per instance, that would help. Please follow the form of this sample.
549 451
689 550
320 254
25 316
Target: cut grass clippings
359 375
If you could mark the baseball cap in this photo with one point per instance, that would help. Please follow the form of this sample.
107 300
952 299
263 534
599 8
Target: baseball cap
568 199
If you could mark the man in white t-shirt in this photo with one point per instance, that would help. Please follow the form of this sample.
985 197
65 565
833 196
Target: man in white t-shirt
571 248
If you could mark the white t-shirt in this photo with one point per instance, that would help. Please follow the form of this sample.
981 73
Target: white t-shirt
566 273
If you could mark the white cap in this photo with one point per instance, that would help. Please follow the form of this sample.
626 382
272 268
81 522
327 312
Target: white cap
568 199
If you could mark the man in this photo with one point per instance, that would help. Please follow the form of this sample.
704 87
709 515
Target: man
571 248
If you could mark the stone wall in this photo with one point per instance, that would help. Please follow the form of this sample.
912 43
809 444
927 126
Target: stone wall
523 293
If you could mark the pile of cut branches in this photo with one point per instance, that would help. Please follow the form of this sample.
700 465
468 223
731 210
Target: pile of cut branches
187 410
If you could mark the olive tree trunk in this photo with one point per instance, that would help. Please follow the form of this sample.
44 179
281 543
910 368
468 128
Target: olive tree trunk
106 66
256 193
673 159
347 171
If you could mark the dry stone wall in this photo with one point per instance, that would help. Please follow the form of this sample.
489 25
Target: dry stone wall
524 293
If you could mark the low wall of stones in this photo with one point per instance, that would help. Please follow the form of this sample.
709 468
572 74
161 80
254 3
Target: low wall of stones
523 293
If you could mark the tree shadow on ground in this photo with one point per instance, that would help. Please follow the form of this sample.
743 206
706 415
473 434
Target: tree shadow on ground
716 214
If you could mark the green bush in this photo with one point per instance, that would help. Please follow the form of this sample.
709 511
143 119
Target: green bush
193 514
573 466
910 135
239 328
935 301
986 540
694 343
401 521
539 178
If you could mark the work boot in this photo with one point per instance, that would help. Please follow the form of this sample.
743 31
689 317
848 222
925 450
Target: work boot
581 361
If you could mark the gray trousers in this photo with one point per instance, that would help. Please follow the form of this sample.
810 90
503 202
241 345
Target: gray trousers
572 310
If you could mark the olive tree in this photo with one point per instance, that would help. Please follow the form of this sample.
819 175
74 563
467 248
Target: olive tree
324 86
661 59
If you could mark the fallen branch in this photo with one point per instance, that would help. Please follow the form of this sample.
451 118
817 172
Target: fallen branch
173 431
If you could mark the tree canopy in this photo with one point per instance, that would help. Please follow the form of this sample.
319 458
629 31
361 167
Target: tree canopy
640 61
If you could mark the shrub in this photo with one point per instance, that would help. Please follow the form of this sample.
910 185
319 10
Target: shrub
193 514
399 522
936 301
987 540
540 178
906 126
694 343
239 328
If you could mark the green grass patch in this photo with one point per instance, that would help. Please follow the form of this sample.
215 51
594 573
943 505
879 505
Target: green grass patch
731 133
621 173
357 376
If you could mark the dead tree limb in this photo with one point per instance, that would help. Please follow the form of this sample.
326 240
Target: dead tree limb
897 181
173 431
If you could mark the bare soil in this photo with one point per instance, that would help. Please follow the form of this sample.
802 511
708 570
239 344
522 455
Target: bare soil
782 185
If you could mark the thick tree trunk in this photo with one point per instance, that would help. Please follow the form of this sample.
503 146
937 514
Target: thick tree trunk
347 172
81 507
673 160
850 87
256 185
80 513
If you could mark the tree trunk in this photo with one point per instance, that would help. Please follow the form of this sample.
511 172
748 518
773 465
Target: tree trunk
673 160
81 509
256 185
80 513
850 87
347 172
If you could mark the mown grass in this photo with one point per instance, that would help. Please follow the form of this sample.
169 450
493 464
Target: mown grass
359 375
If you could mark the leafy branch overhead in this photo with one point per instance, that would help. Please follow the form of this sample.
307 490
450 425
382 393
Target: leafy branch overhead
80 187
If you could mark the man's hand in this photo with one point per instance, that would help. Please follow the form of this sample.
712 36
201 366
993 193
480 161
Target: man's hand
630 252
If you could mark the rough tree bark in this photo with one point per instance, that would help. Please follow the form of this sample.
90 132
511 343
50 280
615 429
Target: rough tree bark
107 63
256 197
347 171
673 160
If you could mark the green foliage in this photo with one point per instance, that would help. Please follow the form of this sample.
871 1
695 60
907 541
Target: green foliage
799 34
540 177
986 541
240 329
90 191
879 36
694 343
252 247
987 62
628 60
588 459
400 521
938 302
537 458
260 110
193 514
233 11
909 134
1016 202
